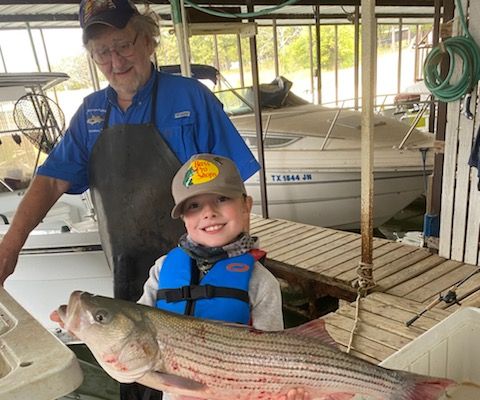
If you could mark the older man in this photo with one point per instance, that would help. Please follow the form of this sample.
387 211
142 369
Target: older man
126 142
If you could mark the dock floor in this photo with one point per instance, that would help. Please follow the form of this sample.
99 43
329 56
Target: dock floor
323 262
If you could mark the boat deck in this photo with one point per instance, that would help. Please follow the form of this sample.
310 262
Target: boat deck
322 261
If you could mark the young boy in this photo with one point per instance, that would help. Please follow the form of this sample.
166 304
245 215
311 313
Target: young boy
215 271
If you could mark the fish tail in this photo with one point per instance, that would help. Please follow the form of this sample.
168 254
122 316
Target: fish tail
428 388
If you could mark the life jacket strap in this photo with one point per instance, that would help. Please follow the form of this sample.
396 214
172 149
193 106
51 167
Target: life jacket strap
197 292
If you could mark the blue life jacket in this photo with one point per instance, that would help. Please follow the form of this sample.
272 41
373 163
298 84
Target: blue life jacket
222 294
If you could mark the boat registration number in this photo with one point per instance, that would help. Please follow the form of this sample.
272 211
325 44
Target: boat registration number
291 178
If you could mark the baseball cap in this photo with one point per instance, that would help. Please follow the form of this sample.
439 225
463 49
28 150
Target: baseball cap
114 13
206 174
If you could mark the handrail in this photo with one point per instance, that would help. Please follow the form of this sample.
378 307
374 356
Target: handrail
414 123
330 128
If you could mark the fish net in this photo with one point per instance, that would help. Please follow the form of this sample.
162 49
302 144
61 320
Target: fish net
40 119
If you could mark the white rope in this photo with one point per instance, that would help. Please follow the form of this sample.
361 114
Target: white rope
354 328
364 283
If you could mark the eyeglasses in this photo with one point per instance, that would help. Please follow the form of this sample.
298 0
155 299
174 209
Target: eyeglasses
123 49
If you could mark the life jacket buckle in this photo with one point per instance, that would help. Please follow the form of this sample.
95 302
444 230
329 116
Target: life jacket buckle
186 292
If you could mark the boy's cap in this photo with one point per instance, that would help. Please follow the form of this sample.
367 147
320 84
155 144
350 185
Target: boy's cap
206 174
114 13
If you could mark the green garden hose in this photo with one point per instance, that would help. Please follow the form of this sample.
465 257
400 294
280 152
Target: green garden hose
458 47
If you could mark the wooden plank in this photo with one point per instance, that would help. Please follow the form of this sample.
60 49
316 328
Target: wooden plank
328 250
462 189
403 264
472 241
342 257
287 242
299 246
345 245
285 234
472 245
322 246
398 258
439 283
408 305
449 165
339 328
257 221
471 295
381 322
342 336
387 251
427 276
269 225
392 317
391 283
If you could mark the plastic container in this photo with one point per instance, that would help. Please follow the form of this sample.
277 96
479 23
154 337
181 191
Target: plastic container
34 364
450 349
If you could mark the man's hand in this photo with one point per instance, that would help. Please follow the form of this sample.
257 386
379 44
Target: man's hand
8 261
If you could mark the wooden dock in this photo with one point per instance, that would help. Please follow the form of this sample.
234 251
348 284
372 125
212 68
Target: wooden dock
323 262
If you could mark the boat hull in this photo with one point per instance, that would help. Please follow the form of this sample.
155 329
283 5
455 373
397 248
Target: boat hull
332 199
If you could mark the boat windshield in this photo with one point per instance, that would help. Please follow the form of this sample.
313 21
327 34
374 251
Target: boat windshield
273 95
271 140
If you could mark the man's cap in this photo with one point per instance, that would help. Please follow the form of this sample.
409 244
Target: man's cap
114 13
206 174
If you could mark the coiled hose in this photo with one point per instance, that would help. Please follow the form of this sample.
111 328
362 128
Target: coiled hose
458 47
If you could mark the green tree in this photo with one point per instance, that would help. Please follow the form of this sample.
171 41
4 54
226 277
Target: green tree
77 68
294 48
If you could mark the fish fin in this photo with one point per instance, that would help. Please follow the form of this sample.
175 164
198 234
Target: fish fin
162 381
314 329
428 388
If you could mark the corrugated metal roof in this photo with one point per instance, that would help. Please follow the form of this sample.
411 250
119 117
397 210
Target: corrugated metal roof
15 16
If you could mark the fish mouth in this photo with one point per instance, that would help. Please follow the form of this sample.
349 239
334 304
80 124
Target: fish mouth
71 314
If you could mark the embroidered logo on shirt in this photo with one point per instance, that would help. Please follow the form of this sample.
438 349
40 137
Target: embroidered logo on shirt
200 171
182 114
95 119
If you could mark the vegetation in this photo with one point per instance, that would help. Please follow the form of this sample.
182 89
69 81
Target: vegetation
77 68
293 43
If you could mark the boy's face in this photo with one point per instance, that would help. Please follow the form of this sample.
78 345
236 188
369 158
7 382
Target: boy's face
214 220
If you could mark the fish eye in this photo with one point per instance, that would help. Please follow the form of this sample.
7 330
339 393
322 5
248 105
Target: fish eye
102 316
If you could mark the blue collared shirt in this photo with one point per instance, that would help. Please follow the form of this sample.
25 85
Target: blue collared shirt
189 117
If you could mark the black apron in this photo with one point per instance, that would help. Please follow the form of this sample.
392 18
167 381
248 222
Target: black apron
130 170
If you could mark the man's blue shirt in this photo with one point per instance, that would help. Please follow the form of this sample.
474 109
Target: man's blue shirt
189 117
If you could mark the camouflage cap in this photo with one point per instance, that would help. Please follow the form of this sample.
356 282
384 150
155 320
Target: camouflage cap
206 174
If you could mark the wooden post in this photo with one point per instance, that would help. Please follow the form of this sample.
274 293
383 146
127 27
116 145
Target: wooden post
258 116
368 96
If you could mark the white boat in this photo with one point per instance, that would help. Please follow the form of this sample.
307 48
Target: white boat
313 163
63 253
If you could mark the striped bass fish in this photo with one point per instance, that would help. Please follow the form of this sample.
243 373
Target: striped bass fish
191 357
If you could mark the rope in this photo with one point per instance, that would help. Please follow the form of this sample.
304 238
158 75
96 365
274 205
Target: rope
355 322
364 283
365 278
458 47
